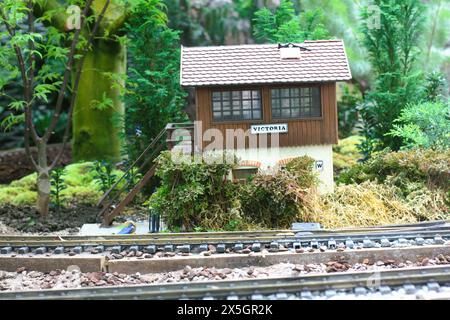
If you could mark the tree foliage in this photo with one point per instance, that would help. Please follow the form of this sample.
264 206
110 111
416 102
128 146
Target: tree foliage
285 25
393 51
38 57
424 125
153 96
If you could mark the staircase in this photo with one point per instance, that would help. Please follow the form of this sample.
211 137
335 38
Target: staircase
113 202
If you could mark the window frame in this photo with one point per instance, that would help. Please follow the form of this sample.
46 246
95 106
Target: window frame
299 118
240 89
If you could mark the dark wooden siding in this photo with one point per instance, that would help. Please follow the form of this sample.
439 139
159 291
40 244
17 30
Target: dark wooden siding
317 131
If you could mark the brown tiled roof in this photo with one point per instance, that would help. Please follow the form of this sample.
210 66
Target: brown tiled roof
254 64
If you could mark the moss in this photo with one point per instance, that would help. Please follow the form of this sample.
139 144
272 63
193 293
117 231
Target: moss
78 177
79 174
25 198
96 134
27 182
17 195
80 194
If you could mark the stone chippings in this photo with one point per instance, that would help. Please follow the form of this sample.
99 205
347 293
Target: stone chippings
23 279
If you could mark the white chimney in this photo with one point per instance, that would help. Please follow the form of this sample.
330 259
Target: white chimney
289 52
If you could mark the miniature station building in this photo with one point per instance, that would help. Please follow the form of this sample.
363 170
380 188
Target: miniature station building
285 94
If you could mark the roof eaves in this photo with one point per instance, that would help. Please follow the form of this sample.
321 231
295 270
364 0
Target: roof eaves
181 65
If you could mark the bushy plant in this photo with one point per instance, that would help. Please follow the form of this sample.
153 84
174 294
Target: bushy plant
198 195
429 167
274 200
194 193
153 96
392 48
424 125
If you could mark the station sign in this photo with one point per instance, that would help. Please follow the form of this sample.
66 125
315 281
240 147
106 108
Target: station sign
269 128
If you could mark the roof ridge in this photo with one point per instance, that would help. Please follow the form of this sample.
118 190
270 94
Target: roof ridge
258 44
329 40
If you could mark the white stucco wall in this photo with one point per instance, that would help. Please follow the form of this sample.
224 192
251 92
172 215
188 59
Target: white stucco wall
270 156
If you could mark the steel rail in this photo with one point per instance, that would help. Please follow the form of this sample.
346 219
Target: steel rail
232 234
245 288
192 239
155 236
227 237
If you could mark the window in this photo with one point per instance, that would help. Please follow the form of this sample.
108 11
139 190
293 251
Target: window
236 105
296 103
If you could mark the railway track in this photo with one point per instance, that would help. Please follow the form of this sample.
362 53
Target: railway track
402 235
304 287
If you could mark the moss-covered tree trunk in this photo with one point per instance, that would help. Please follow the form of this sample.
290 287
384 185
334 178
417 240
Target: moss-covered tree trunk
96 126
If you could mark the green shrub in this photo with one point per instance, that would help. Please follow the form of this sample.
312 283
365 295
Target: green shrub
194 194
429 167
424 125
302 169
274 200
198 196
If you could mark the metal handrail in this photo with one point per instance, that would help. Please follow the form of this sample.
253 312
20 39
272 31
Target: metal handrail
169 127
151 145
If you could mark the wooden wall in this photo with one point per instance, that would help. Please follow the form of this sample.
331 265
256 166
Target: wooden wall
301 132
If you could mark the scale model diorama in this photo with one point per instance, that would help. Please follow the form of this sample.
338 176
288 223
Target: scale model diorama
262 90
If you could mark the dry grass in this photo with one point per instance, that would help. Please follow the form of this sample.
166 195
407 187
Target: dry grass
371 204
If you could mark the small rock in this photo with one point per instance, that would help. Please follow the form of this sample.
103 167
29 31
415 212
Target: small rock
301 250
34 274
20 270
379 263
425 262
148 256
169 254
298 267
117 256
187 269
226 271
139 253
246 251
366 261
206 253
